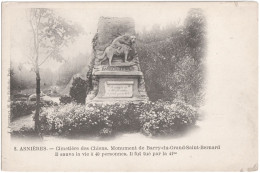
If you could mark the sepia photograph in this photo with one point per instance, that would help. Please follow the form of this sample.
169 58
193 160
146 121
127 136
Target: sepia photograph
149 86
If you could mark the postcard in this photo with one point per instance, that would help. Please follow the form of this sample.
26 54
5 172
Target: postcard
129 86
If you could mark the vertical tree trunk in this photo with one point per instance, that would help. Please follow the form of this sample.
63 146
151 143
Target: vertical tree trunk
38 97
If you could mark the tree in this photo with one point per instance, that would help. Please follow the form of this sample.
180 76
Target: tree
50 34
173 60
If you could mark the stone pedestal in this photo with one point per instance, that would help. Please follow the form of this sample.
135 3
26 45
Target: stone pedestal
121 81
110 86
119 86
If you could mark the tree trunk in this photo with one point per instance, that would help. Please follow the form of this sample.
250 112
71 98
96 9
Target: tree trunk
38 97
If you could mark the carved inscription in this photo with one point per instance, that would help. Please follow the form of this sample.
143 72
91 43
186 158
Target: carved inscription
115 68
117 89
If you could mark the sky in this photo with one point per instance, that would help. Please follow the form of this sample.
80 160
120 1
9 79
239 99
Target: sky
87 17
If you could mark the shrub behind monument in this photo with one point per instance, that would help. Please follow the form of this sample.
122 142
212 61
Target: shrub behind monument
78 90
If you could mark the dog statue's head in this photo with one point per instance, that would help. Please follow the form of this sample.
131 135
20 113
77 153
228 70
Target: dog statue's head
132 38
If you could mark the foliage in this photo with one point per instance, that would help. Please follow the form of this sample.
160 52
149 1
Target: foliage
50 34
22 108
80 87
78 90
167 118
65 99
172 60
151 118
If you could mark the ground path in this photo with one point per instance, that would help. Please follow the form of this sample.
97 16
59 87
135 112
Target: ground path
20 122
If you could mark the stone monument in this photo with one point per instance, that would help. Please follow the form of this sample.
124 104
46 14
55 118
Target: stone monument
116 74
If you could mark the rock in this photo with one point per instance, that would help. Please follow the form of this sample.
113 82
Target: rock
109 29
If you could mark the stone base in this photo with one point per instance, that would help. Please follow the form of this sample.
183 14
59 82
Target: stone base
119 87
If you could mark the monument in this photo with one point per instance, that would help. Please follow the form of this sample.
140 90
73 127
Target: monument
116 74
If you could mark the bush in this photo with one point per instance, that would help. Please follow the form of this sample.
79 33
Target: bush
20 108
78 90
151 118
94 119
65 99
165 118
